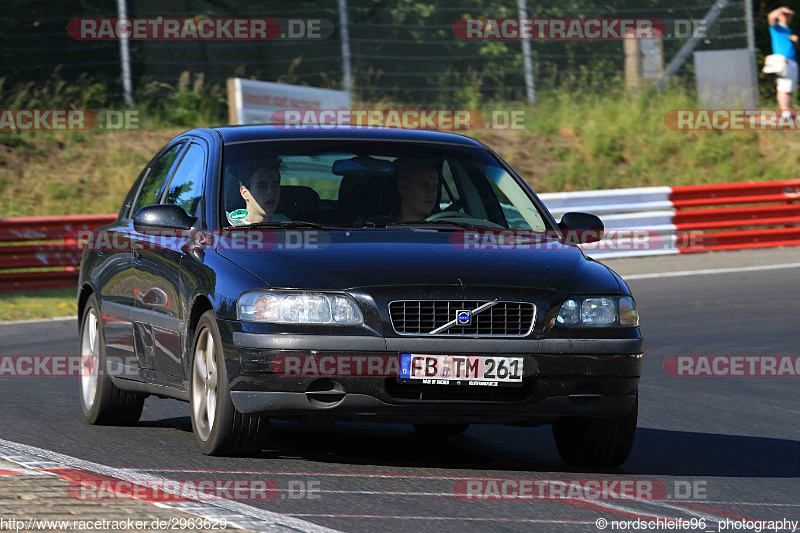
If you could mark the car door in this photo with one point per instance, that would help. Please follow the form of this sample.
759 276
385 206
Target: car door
150 193
112 274
157 271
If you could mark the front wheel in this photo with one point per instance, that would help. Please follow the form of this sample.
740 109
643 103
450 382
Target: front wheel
103 403
219 429
596 442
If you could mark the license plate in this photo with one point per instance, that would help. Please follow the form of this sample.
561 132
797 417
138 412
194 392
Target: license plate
476 370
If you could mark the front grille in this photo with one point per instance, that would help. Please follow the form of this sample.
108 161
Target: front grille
421 317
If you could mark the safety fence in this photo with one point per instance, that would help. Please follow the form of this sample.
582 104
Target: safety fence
44 252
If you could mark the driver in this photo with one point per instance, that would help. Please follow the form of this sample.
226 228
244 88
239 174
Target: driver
418 187
260 188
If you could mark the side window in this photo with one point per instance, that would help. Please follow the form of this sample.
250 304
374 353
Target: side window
157 173
186 187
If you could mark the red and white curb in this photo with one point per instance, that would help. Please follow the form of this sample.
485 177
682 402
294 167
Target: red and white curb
46 462
248 517
13 470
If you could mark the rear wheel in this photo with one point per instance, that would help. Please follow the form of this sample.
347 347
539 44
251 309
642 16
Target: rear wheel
441 430
596 442
219 429
102 401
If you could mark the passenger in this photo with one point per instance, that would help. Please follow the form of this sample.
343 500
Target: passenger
260 188
418 187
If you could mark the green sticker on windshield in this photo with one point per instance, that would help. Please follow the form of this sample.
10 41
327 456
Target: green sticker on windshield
238 214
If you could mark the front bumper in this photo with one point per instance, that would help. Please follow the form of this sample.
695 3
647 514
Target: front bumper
561 378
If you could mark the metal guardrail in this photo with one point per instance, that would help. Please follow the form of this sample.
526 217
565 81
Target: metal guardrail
44 252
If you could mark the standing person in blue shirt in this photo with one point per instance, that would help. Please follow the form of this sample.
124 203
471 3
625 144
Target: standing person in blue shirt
783 41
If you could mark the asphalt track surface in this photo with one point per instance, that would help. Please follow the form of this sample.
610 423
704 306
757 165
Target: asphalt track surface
736 439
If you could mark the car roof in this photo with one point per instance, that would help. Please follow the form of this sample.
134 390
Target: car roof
232 134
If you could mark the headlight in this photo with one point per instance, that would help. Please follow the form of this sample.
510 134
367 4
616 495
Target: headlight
294 307
599 312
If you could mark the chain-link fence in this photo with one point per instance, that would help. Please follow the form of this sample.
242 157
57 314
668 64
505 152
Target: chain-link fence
403 52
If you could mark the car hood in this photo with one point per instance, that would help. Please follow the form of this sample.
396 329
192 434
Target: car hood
348 260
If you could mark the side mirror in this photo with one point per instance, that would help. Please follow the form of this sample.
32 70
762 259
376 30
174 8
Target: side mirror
162 216
581 228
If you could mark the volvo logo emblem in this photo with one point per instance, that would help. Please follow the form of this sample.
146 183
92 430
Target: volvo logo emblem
464 317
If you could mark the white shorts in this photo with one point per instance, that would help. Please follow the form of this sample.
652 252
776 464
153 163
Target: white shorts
789 83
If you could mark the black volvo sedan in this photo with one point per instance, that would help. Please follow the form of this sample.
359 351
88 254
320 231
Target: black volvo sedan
361 274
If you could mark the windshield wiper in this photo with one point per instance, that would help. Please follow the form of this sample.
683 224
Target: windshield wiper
433 224
290 224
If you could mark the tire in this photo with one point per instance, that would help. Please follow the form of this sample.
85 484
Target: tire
596 442
219 429
441 430
102 402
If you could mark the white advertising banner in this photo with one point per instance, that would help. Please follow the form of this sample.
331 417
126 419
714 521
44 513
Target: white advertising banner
253 101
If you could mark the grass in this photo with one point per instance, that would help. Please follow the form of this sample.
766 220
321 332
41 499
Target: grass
611 140
38 304
73 172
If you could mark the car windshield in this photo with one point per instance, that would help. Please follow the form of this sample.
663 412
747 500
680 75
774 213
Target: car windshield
375 185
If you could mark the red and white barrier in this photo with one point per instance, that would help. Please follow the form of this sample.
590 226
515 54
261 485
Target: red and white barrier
53 260
693 218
